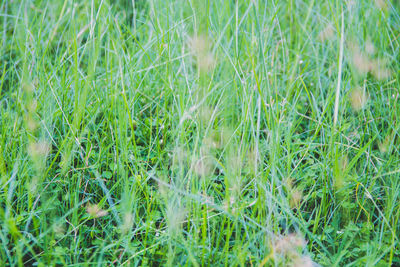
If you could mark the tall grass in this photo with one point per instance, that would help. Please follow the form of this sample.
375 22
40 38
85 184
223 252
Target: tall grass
199 133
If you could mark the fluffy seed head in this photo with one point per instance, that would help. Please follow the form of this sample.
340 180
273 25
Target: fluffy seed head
39 149
203 167
369 47
303 261
364 64
327 33
127 223
200 48
176 215
358 99
288 243
95 211
295 198
381 4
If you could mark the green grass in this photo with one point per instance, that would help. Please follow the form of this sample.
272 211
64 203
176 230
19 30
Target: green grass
199 133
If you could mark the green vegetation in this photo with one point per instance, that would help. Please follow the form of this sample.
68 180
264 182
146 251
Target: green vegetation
199 133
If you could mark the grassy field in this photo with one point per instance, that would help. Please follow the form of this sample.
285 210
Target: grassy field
199 133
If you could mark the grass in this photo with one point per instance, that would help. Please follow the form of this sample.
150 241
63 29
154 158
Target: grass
199 133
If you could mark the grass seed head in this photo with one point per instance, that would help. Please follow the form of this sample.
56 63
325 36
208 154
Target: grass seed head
127 223
200 48
199 45
253 158
361 62
364 64
205 113
207 63
234 163
288 243
369 48
31 123
339 180
59 230
32 106
179 155
28 87
295 198
39 149
358 98
380 72
95 211
381 4
203 166
176 215
328 33
384 145
303 261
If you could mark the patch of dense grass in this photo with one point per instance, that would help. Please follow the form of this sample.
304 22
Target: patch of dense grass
199 133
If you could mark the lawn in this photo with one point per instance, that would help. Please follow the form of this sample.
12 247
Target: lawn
200 133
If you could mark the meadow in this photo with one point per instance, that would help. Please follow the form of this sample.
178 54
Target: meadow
199 133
